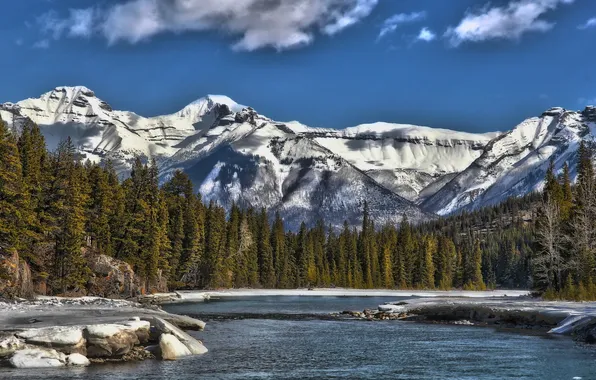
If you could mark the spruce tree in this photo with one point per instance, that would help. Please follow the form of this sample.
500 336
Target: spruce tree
265 252
12 192
71 271
278 245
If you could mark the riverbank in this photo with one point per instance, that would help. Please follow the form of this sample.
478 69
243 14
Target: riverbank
57 332
577 319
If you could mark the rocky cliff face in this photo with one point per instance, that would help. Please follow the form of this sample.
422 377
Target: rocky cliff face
113 278
15 277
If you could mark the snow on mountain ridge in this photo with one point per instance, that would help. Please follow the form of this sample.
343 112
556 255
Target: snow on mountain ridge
515 163
234 154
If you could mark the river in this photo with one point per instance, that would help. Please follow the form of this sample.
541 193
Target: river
288 337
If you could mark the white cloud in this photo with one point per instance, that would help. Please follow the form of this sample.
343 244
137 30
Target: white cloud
280 24
19 42
507 22
79 23
391 24
591 23
426 35
42 44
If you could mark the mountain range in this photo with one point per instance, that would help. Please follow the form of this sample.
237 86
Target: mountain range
234 154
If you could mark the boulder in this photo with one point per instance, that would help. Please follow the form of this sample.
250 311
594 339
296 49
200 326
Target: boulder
67 339
163 327
9 344
115 340
37 358
77 360
171 348
185 322
586 333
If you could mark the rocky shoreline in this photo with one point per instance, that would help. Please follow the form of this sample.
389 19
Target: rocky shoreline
59 332
574 319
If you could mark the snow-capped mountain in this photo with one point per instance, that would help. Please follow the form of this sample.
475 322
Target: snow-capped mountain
231 153
98 130
515 163
234 154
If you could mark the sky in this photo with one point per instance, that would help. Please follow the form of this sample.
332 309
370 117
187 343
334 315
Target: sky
467 65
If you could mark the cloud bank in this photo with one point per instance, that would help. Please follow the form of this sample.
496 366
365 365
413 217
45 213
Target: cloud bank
279 24
507 22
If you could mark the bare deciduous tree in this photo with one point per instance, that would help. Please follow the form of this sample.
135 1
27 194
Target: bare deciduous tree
548 264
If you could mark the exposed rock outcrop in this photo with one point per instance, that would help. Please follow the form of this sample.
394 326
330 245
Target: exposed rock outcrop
112 278
15 276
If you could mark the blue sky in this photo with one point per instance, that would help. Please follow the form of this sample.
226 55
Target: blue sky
461 64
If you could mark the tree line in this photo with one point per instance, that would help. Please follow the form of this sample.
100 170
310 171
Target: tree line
565 257
56 208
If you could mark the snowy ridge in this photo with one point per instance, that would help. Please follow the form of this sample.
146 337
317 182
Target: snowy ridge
234 154
515 163
406 159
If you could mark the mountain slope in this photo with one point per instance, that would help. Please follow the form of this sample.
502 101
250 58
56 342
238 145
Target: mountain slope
515 163
407 159
99 131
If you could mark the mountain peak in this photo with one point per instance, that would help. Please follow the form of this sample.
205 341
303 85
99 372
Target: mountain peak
197 109
75 90
211 100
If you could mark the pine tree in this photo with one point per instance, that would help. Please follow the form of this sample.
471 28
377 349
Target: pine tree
364 248
265 252
241 274
33 154
213 269
99 209
186 227
405 260
252 254
552 187
428 271
567 200
69 208
278 245
476 281
117 203
387 265
12 192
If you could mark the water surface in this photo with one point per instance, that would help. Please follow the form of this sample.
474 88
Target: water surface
298 348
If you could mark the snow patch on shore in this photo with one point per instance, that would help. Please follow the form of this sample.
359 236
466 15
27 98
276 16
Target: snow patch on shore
197 296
